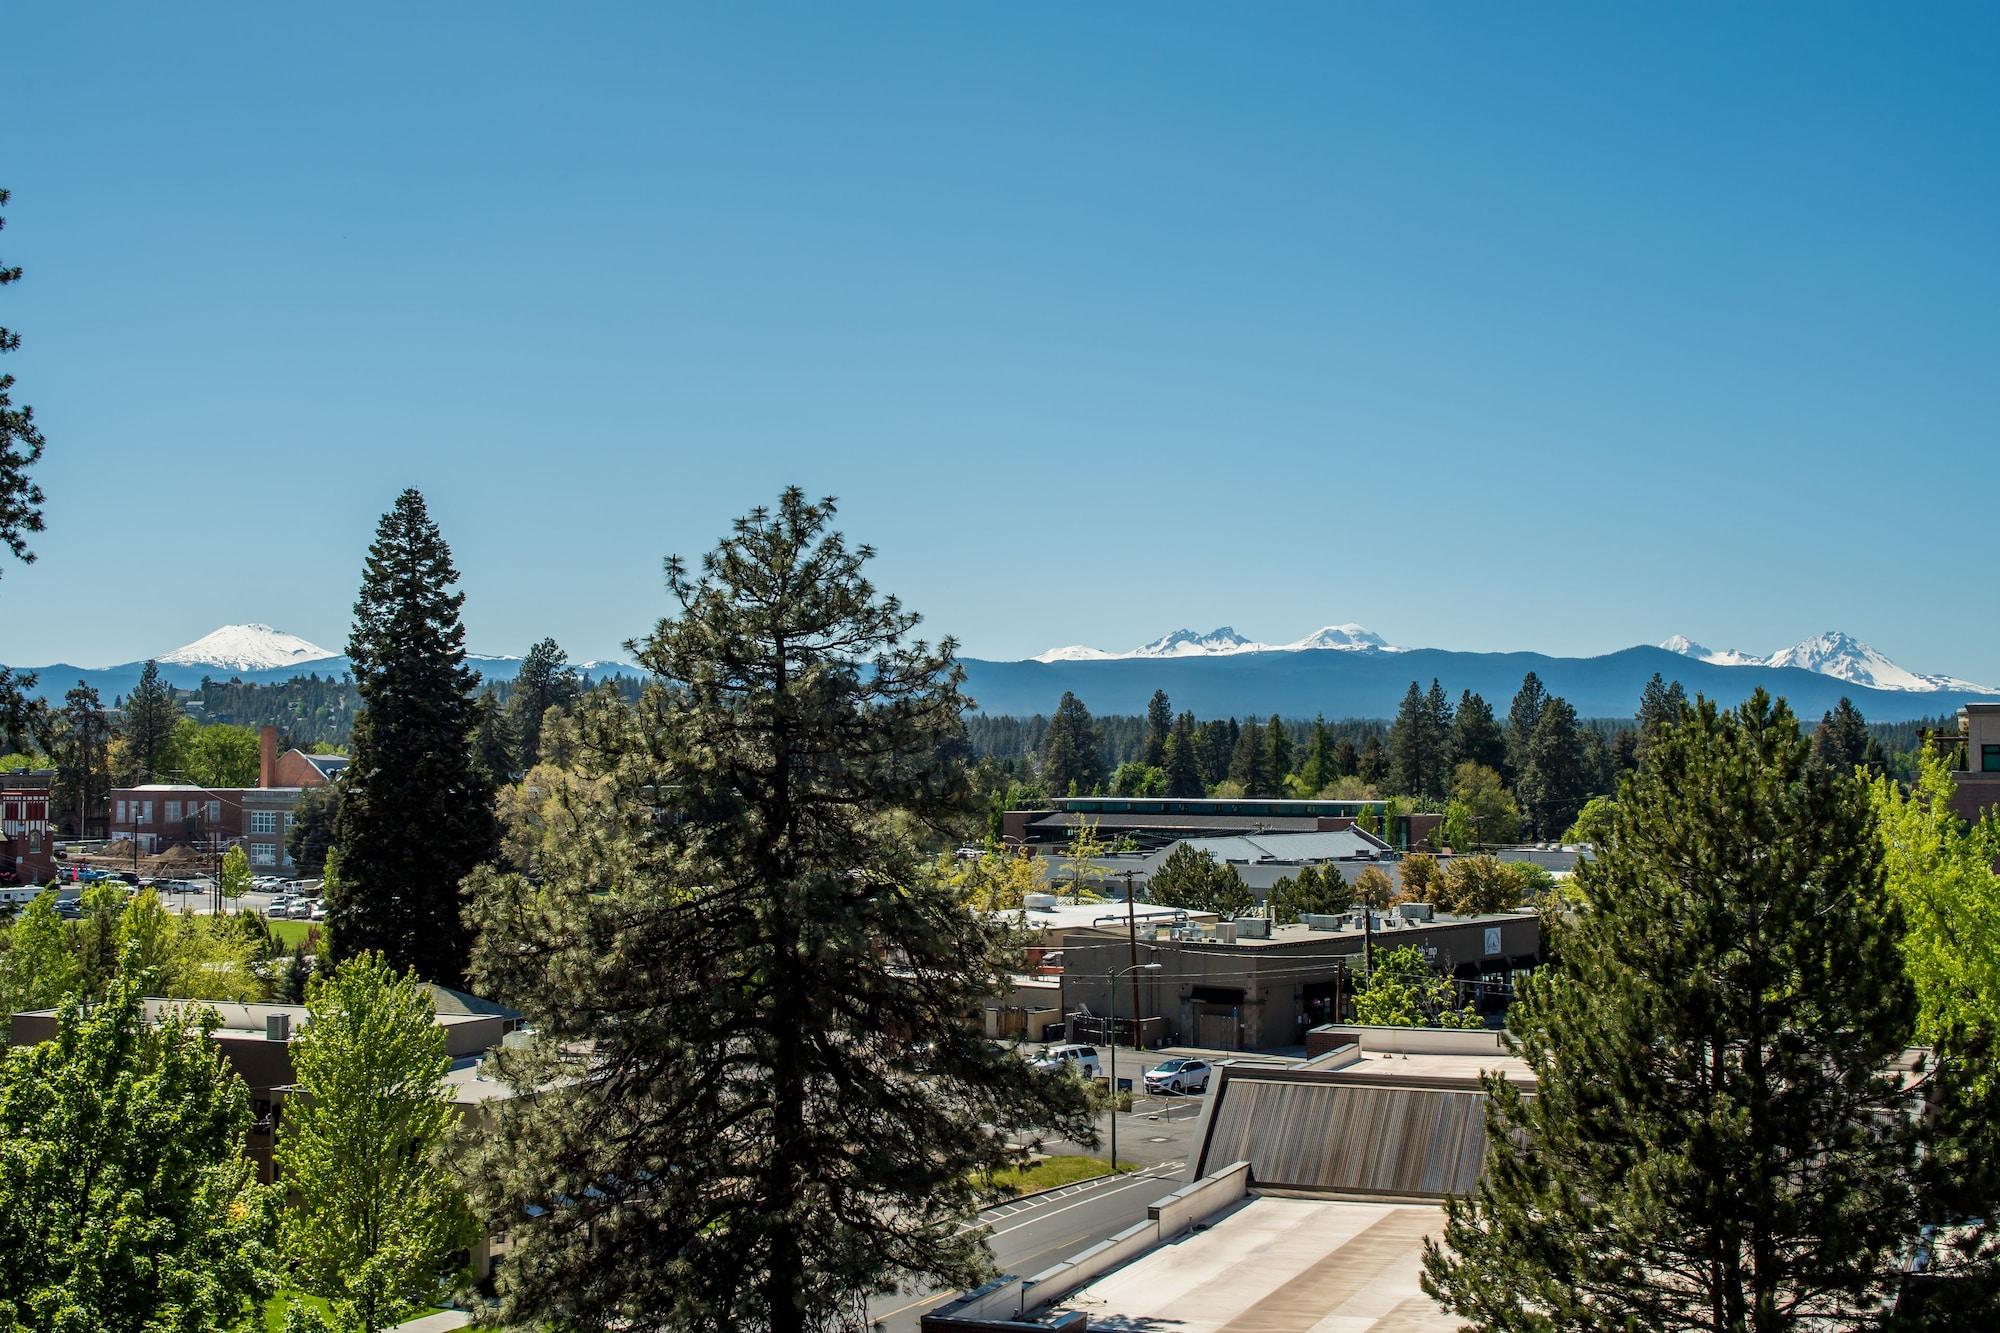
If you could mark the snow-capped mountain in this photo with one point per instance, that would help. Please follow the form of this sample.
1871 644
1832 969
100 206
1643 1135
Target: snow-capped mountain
246 648
1226 642
1835 654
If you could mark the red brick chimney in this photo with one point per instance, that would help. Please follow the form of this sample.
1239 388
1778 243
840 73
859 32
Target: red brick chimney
267 765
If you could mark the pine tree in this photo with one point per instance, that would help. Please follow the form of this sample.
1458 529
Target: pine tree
1314 891
1346 759
1842 742
1193 881
1159 722
546 681
1718 1138
496 747
1476 737
1250 764
1214 745
1277 755
1322 766
1526 711
1182 763
1555 778
150 718
1371 765
1072 750
726 946
416 815
1408 747
77 737
1660 706
21 446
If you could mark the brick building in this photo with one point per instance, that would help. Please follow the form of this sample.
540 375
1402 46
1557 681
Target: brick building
164 814
27 843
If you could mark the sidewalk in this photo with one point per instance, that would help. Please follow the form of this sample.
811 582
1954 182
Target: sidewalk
435 1323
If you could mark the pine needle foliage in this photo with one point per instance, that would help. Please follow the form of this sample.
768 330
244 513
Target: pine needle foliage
761 1095
416 814
1718 1137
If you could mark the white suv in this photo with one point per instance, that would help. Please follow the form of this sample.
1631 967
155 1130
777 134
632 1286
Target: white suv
1082 1058
1178 1075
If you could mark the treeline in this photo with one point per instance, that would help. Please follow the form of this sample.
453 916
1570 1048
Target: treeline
1529 773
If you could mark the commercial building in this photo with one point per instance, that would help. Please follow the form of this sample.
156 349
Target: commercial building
27 843
1154 822
1315 1189
1977 781
161 815
1248 985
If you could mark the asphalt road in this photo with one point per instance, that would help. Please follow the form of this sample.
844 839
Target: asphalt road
1030 1236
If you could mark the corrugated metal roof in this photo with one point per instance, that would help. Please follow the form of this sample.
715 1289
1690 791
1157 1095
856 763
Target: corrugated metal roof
1380 1138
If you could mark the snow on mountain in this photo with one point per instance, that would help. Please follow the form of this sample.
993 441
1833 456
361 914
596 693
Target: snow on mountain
1226 642
1835 654
247 648
1686 647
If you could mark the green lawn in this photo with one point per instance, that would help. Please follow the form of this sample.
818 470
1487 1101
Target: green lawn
274 1309
1050 1173
290 933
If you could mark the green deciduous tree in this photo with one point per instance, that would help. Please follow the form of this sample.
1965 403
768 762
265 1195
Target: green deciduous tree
379 1217
213 754
416 815
37 965
1483 806
1718 1138
236 875
126 1201
727 950
1192 880
1131 779
1404 990
1474 885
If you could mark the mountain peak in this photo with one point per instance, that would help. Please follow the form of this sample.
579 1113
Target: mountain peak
1835 653
246 648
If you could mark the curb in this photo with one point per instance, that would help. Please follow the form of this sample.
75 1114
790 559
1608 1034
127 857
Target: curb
1057 1189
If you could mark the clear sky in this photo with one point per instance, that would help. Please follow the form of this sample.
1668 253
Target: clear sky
1488 326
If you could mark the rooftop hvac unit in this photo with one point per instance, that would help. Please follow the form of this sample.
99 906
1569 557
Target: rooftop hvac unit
1225 932
1038 902
1415 911
1253 927
277 1027
1325 921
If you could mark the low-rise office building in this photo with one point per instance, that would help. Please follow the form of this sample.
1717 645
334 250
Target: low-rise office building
1154 822
162 815
1249 985
1976 784
27 842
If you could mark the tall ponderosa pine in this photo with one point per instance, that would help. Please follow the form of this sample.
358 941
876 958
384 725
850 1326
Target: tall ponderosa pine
1159 722
1717 1139
1557 776
1191 879
1277 754
1250 764
546 681
1660 706
1419 747
77 736
1072 750
1476 737
416 814
150 718
21 446
1841 741
728 949
1182 760
1522 715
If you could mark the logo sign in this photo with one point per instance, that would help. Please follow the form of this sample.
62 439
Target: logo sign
1492 940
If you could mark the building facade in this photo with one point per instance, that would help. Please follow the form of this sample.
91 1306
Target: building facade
1977 781
27 842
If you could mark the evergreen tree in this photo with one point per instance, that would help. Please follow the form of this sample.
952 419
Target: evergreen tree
1072 750
1717 1139
1250 764
416 815
1529 701
1371 764
1438 721
1192 880
1321 766
1182 760
1159 722
1314 891
310 836
1841 741
1346 759
496 748
1277 755
1476 737
21 446
1660 706
1215 743
380 1216
546 681
77 737
701 942
1410 754
1556 777
126 1202
149 720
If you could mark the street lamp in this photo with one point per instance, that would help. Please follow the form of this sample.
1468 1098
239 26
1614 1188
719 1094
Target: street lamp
1113 978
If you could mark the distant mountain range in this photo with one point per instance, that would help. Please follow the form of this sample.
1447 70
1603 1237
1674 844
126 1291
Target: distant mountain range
1339 670
260 654
1350 671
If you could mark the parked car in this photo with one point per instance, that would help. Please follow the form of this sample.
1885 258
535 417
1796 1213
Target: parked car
1178 1075
1082 1058
278 906
69 909
318 912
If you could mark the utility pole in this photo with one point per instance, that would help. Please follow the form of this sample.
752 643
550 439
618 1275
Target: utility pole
1132 942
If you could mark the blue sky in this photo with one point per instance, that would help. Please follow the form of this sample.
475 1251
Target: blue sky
1550 327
